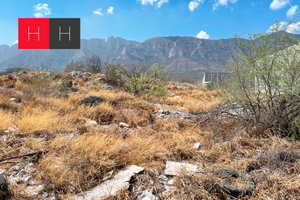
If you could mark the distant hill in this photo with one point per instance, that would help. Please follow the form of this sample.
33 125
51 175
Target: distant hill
177 54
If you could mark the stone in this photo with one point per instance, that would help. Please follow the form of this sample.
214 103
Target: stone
34 190
45 195
12 129
14 168
29 168
3 172
171 113
81 74
111 186
225 172
147 196
2 179
92 100
197 145
13 99
123 125
72 84
91 123
173 168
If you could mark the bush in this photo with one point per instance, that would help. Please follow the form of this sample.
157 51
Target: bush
148 84
265 80
92 64
39 84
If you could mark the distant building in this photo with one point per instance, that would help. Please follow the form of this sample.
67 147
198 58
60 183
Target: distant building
212 76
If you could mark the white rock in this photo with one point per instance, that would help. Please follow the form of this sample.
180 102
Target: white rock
13 99
173 168
197 145
35 190
147 196
3 172
112 186
123 125
14 168
12 129
92 123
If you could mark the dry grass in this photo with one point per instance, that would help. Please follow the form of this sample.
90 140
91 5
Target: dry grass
78 156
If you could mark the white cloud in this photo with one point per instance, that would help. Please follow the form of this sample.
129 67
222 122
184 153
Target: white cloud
110 10
194 4
278 4
41 10
202 35
292 11
38 15
16 42
98 12
161 2
294 27
223 3
151 2
274 27
290 28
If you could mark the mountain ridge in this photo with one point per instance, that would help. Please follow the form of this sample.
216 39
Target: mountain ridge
174 52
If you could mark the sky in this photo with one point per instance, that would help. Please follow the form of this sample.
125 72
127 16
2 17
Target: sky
140 20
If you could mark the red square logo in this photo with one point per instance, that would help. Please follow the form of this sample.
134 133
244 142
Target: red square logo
33 33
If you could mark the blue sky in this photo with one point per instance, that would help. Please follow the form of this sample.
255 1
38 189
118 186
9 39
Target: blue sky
143 19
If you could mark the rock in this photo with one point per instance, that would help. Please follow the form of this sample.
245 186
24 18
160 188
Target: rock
34 190
3 172
2 179
112 186
13 99
81 74
147 196
14 168
45 195
123 125
91 123
71 84
197 145
3 187
29 168
171 113
12 129
225 172
92 100
172 168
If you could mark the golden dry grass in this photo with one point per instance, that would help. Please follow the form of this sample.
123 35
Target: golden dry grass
78 156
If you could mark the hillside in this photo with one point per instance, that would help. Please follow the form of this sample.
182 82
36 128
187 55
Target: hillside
53 146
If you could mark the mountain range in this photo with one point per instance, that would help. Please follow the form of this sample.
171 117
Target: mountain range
188 54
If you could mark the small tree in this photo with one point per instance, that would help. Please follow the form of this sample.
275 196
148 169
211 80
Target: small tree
265 78
92 64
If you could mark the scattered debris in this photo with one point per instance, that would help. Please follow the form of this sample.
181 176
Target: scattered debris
81 74
112 186
197 145
147 196
171 113
123 125
12 129
172 168
91 123
35 190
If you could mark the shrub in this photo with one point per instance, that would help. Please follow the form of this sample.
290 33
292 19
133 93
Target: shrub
265 80
148 84
92 64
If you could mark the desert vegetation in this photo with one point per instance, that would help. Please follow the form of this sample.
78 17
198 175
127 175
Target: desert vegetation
241 141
